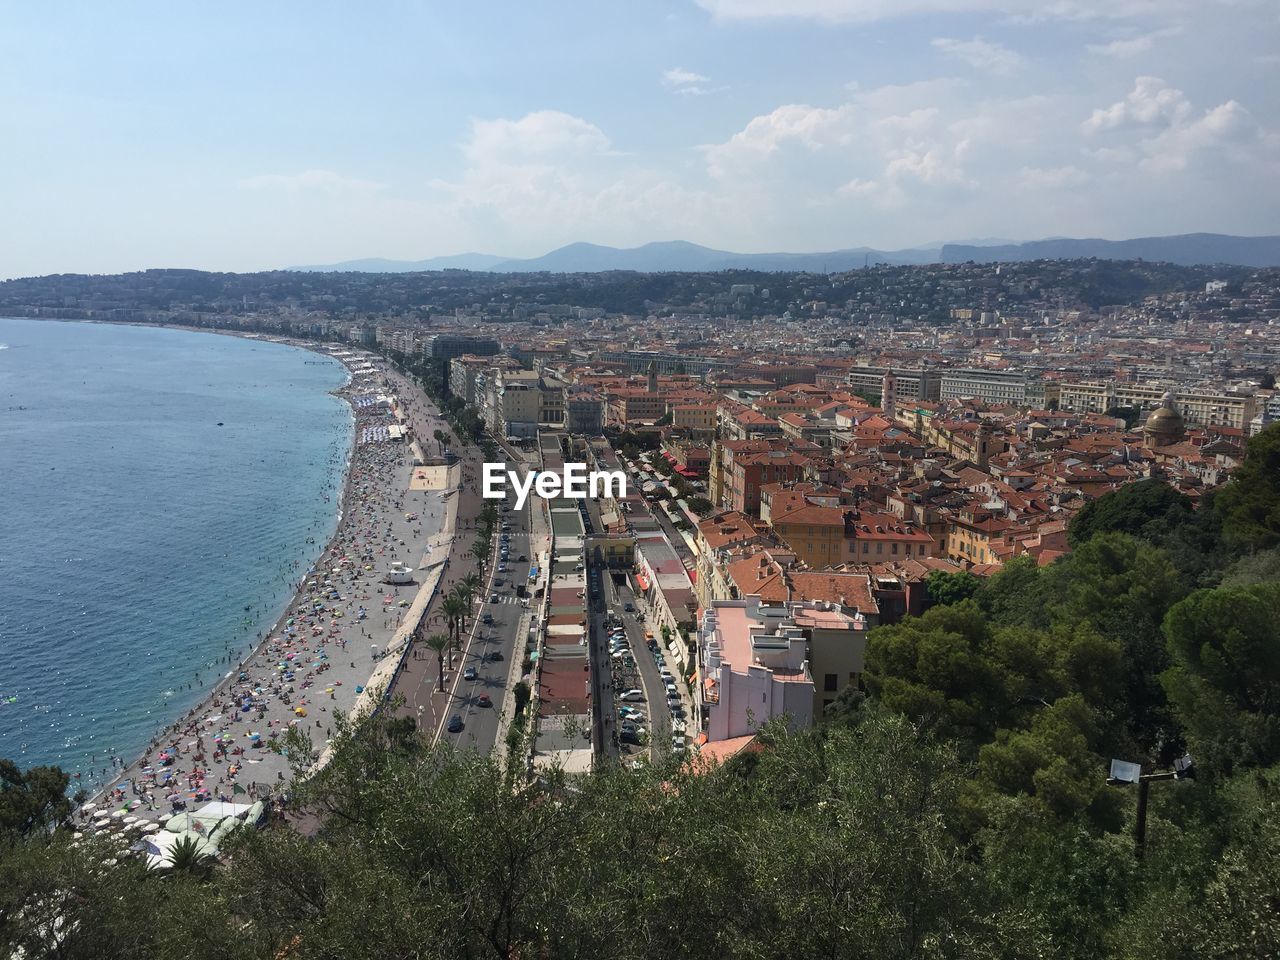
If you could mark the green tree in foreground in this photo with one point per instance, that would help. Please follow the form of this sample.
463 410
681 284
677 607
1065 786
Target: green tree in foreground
33 801
1249 504
1225 678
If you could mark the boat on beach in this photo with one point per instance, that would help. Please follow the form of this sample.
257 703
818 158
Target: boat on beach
399 574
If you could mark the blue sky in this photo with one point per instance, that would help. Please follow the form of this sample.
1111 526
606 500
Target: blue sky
251 136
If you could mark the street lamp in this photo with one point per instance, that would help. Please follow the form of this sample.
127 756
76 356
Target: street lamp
1124 772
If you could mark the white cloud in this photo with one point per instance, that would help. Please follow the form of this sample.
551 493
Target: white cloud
1051 178
1126 48
1150 103
679 77
542 133
1165 133
982 54
323 181
1123 49
552 177
855 11
686 82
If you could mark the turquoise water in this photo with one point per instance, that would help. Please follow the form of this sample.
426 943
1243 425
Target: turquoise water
143 547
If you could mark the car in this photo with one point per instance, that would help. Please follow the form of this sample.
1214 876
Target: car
493 598
632 714
633 695
455 724
629 736
469 673
629 607
502 568
493 655
484 700
487 619
677 712
677 744
523 558
619 654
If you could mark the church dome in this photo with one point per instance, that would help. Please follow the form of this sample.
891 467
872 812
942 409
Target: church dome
1165 425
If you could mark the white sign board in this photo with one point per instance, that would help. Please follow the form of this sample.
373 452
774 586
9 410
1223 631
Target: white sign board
1125 771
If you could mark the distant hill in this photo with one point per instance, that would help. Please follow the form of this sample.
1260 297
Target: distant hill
679 255
458 261
1188 250
682 256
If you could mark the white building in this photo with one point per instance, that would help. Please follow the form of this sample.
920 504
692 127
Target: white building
753 667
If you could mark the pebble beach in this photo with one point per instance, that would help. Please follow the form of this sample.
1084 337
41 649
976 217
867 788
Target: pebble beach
318 658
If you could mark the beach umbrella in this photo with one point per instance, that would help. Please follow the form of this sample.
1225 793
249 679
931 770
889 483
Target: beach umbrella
151 828
89 807
118 815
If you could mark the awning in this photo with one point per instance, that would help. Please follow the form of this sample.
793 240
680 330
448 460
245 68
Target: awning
643 582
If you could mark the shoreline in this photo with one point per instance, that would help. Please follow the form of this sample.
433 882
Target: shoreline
138 775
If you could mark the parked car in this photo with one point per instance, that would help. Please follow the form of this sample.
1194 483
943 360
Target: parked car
635 696
629 607
494 655
629 736
455 724
523 558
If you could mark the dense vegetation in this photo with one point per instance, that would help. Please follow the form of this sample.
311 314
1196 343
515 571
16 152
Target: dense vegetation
959 809
925 291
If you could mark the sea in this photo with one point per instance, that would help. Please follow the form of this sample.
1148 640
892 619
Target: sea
161 493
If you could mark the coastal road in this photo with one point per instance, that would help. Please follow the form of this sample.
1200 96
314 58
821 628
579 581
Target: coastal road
419 682
493 677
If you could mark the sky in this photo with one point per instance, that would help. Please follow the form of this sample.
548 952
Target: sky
250 136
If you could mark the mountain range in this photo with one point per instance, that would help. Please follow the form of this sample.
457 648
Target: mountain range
682 256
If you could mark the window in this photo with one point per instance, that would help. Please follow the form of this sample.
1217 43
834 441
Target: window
894 549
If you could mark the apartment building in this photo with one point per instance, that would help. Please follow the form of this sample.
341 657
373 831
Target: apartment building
990 386
912 384
753 666
1200 406
583 412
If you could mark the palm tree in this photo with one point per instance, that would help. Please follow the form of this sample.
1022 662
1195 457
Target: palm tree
453 609
480 550
189 855
473 583
439 643
464 594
